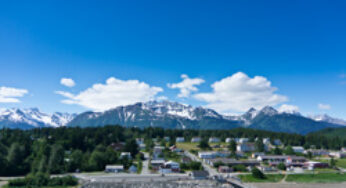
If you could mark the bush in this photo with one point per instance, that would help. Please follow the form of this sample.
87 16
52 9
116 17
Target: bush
17 183
42 179
256 173
281 166
239 168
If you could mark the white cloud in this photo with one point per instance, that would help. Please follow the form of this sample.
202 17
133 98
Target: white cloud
288 108
324 106
238 93
11 95
186 86
68 82
113 93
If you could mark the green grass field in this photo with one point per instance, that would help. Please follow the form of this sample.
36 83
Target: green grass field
189 146
316 178
270 178
339 162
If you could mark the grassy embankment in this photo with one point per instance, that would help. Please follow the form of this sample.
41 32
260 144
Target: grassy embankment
316 178
269 178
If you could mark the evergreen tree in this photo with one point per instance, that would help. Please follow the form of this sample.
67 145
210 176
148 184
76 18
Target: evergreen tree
56 160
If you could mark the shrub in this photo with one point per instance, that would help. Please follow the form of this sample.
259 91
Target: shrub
256 173
281 166
239 168
17 183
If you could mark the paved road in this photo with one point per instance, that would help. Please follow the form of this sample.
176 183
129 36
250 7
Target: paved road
145 168
211 170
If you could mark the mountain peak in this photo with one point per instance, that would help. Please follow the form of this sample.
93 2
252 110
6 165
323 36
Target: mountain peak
268 110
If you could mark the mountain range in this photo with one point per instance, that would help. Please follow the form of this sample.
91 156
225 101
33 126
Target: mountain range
173 115
32 118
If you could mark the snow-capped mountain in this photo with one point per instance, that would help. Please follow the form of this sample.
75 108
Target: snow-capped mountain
327 118
31 118
174 115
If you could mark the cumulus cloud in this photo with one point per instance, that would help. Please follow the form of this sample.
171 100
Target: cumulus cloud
11 95
324 106
288 108
68 82
113 93
186 86
239 92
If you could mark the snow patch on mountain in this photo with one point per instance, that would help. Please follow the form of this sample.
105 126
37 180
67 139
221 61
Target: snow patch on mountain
327 118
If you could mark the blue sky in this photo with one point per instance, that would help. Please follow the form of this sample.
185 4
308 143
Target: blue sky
299 46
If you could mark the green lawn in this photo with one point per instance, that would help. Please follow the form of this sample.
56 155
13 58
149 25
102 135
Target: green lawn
187 146
269 178
339 162
316 178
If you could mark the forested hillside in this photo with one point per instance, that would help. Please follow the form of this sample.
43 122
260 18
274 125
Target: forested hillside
67 149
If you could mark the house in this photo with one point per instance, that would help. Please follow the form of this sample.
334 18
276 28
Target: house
196 139
266 141
139 141
166 138
311 165
277 142
207 155
133 169
186 159
157 152
225 169
180 139
298 149
117 146
317 152
156 164
199 175
256 154
228 140
232 162
243 140
114 168
125 154
274 160
175 149
141 146
338 154
174 166
214 140
246 147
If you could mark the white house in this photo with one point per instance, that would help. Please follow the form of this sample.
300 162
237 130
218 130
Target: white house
246 147
228 140
196 139
174 166
298 149
180 139
139 141
243 140
114 168
277 142
207 154
214 140
125 154
266 141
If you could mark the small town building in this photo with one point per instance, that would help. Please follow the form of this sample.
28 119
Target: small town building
180 139
228 140
186 159
207 155
214 140
139 141
114 168
274 160
225 169
166 138
117 146
317 152
311 165
174 166
277 142
196 139
298 149
232 162
133 169
199 175
156 164
125 154
256 154
246 147
338 154
243 140
266 141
